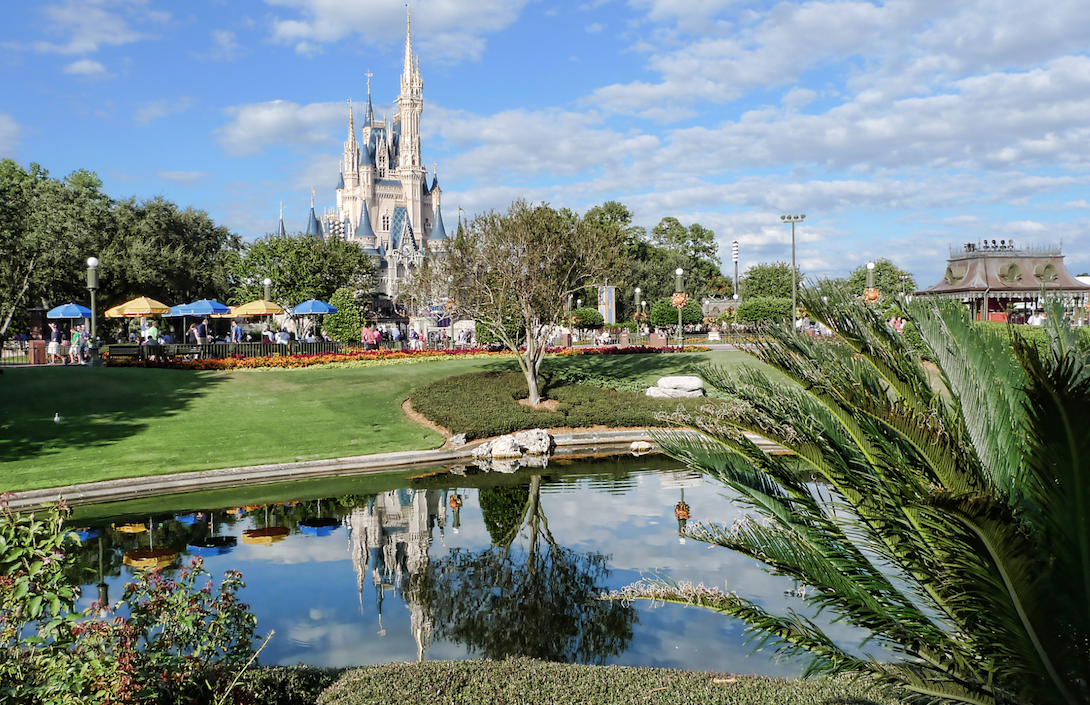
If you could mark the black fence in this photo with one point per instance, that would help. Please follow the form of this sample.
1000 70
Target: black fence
217 351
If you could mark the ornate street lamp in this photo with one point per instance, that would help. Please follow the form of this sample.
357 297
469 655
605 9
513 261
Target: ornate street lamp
794 285
679 300
734 258
637 300
268 289
92 284
871 294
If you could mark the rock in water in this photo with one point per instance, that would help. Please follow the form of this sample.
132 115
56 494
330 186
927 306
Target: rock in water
484 450
506 447
535 442
640 447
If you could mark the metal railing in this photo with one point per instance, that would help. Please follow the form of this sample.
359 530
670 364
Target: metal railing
219 351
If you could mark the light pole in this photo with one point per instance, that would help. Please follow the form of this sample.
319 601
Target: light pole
794 285
92 284
268 289
734 258
678 273
637 301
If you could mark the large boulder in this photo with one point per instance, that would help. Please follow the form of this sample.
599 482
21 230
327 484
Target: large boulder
638 448
685 382
506 447
661 393
484 450
535 442
677 387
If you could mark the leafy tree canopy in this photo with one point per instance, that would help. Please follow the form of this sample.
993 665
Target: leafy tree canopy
344 325
587 318
664 315
522 266
301 268
769 280
889 279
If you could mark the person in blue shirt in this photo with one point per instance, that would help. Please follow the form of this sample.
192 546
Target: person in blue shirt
236 332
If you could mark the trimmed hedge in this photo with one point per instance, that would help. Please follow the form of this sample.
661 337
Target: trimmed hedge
763 309
285 685
484 404
530 682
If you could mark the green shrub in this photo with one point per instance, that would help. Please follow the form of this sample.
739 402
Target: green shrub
764 309
286 685
587 318
484 404
664 315
344 325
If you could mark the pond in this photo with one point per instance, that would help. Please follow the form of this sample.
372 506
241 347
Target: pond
385 568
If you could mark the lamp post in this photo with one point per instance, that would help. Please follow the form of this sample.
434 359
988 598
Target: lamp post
92 284
637 300
268 289
734 258
678 273
794 285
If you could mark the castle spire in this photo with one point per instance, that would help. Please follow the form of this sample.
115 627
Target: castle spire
351 122
408 73
370 116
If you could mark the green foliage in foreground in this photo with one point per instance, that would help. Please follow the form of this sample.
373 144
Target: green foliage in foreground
952 526
486 404
529 682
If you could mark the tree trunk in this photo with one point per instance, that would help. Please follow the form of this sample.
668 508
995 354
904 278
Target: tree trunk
532 384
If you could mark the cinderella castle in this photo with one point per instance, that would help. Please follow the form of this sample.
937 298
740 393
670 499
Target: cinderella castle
384 201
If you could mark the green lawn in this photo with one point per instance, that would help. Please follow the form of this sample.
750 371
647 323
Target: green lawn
128 422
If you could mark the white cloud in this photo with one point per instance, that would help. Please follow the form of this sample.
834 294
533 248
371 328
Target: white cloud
86 25
596 27
183 178
226 46
441 30
85 67
10 135
161 108
258 125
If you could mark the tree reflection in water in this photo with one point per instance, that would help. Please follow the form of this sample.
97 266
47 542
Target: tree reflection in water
540 601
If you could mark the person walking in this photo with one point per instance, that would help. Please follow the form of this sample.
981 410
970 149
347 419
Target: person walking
202 332
53 350
74 345
236 331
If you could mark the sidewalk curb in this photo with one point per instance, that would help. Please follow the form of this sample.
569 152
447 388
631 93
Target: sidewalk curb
568 445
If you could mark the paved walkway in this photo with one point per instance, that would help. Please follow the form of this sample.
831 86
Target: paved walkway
569 445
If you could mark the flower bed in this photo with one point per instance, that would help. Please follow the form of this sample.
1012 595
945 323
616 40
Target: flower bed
354 357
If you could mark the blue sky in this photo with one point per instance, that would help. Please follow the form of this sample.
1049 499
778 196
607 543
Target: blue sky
899 128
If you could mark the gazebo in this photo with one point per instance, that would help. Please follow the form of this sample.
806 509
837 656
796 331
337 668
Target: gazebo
991 278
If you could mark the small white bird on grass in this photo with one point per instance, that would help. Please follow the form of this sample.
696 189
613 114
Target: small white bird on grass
57 417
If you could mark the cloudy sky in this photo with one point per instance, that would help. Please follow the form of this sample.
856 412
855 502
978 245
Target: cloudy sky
899 128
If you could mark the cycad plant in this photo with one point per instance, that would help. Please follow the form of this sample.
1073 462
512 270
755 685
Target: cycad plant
945 512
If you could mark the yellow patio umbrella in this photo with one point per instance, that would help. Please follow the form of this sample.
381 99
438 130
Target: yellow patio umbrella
259 307
267 536
142 306
149 558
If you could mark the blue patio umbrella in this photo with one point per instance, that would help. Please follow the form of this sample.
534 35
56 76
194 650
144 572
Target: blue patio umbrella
314 307
86 534
69 311
318 527
175 312
205 307
213 546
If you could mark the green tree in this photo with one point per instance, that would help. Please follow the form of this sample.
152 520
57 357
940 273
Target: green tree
344 325
951 519
769 280
300 267
664 315
695 242
515 271
764 309
587 318
889 279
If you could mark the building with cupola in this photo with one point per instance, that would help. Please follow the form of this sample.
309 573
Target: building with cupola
386 202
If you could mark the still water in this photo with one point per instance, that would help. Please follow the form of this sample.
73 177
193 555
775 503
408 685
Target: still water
354 571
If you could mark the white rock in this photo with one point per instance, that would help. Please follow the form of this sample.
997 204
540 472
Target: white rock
458 470
457 440
506 447
673 393
535 442
686 382
535 461
640 447
484 450
505 466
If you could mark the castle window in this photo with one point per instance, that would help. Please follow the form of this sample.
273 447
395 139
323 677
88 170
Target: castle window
385 221
427 224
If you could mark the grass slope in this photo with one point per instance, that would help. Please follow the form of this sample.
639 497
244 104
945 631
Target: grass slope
529 682
130 422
